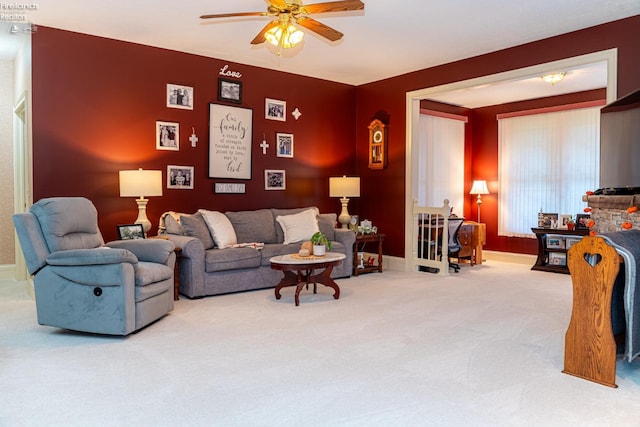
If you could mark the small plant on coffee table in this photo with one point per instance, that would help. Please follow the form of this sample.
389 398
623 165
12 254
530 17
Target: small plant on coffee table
319 239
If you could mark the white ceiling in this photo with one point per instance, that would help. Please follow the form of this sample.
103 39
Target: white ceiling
385 40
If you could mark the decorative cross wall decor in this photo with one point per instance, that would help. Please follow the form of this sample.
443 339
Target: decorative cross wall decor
264 146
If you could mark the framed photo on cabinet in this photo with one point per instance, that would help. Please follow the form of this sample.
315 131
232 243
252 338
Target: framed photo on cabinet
377 145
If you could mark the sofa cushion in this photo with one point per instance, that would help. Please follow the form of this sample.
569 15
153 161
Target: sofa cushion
282 212
253 226
298 227
195 226
220 228
172 226
231 259
327 224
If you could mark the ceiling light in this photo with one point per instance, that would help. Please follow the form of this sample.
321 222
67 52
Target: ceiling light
284 35
553 78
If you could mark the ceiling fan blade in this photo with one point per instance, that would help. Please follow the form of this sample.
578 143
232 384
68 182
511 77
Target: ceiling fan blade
260 37
333 6
319 28
232 15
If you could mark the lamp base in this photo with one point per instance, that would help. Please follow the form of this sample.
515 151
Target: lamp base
344 218
142 215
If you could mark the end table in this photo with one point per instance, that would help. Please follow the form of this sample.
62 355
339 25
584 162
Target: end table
358 246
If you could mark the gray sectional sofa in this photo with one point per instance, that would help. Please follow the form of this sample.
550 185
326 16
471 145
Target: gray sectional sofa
205 269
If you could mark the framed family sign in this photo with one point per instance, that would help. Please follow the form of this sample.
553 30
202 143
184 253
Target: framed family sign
230 130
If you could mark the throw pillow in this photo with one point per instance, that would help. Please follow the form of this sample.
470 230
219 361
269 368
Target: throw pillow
282 212
194 226
253 226
327 224
172 226
220 228
298 227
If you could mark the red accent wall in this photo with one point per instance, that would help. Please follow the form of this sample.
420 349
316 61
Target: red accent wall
96 102
384 195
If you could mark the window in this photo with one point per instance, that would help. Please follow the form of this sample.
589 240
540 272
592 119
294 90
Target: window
441 162
546 161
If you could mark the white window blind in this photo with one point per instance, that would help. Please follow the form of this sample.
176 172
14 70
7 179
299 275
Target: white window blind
546 161
441 162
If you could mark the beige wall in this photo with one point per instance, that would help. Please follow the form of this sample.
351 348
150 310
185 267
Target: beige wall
7 242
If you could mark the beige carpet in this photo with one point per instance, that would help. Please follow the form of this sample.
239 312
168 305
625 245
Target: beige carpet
480 348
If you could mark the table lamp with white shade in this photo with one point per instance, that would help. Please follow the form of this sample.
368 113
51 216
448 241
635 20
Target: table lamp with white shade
479 187
140 183
344 187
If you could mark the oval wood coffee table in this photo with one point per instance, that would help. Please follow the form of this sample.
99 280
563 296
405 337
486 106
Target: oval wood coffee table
298 272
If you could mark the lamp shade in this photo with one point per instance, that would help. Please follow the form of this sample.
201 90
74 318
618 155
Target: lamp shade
479 187
140 183
344 187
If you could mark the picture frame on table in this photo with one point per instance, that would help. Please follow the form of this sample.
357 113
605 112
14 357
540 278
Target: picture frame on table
549 220
284 145
180 177
130 231
229 90
179 96
275 109
563 219
570 241
555 241
167 136
582 220
274 179
558 258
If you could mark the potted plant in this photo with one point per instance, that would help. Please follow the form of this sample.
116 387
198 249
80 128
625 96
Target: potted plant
320 243
571 223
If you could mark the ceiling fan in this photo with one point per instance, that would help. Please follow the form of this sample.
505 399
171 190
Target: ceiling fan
281 32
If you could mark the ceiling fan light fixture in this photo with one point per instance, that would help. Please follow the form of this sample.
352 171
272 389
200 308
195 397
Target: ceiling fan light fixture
285 36
553 78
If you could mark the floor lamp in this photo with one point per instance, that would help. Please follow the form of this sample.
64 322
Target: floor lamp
479 187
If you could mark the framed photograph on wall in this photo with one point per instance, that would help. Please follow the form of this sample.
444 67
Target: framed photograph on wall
230 130
229 90
179 96
274 179
130 231
275 109
284 143
167 136
180 177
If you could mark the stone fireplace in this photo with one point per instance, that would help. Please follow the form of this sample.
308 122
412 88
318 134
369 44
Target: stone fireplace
610 211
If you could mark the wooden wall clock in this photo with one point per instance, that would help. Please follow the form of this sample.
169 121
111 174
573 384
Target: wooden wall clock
378 134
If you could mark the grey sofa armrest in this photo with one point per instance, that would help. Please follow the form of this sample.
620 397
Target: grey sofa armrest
346 237
96 256
191 265
148 250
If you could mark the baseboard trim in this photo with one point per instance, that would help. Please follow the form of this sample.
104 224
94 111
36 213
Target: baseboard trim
8 271
393 263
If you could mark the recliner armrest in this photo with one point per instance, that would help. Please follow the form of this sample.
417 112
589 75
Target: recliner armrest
96 256
148 250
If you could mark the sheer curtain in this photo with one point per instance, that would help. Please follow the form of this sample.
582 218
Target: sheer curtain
546 161
441 162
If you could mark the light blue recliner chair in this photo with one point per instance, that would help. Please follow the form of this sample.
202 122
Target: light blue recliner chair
83 285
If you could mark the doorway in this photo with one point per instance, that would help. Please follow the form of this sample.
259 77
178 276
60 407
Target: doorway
412 105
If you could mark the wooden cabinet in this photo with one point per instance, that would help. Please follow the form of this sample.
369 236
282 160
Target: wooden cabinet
552 248
472 236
